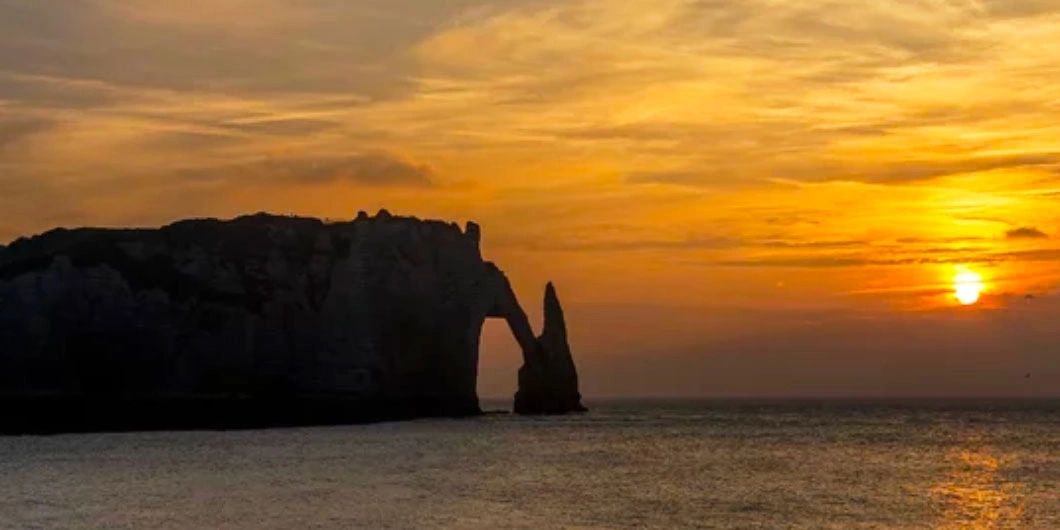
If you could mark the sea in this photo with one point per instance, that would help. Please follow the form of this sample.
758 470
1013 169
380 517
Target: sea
624 464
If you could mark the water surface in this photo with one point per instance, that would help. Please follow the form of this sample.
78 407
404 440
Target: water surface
624 465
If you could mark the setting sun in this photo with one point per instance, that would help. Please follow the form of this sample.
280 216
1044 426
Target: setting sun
967 287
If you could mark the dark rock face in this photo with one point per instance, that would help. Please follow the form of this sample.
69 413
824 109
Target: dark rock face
260 320
548 381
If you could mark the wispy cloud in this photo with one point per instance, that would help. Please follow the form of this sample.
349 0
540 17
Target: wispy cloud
944 257
373 169
1026 232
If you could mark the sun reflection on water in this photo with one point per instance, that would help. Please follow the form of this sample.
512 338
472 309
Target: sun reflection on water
974 494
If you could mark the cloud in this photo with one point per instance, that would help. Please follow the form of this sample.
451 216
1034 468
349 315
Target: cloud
813 244
1043 254
906 172
16 129
699 242
190 141
792 220
1026 232
627 245
683 178
887 172
1021 9
285 126
31 91
940 256
267 47
372 169
814 262
228 14
938 240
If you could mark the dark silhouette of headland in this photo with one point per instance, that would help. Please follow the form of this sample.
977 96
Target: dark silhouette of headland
260 321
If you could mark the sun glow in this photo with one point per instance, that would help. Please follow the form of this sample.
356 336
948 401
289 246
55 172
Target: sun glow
968 286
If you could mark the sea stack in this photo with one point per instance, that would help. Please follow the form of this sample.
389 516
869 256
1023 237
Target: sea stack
548 381
261 320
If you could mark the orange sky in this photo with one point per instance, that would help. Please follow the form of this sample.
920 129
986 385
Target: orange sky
748 197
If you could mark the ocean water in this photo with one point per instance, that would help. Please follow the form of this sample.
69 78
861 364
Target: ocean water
646 464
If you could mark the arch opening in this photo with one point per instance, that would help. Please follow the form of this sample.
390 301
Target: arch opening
547 378
499 359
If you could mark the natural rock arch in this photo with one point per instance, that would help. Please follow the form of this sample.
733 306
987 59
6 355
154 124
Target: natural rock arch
548 380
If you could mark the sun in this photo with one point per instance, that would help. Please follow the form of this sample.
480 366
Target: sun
967 286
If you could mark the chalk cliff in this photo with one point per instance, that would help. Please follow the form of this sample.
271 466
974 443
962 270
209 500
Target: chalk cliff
261 320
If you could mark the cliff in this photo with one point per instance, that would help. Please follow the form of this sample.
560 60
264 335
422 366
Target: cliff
261 320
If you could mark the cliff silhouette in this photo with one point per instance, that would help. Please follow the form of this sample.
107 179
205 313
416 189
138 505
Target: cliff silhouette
261 320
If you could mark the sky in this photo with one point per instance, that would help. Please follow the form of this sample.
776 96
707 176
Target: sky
734 197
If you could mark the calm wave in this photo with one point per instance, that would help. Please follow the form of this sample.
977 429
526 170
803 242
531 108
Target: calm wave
625 464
